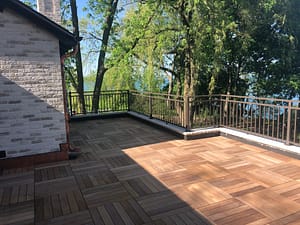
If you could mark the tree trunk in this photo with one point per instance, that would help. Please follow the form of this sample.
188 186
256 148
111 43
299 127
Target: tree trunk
101 60
80 85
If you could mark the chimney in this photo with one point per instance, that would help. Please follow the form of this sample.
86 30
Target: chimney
50 8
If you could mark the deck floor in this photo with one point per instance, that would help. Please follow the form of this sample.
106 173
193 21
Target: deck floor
133 174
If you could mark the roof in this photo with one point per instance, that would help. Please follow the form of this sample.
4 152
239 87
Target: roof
67 40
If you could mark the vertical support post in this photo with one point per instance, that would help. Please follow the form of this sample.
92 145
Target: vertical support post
221 111
150 105
289 118
128 100
70 103
186 112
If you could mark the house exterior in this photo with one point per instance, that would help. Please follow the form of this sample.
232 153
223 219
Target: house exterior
32 105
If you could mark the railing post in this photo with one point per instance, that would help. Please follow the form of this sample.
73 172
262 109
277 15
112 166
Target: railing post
128 100
186 112
150 105
288 129
70 103
221 111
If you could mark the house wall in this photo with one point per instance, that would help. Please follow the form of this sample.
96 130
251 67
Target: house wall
31 95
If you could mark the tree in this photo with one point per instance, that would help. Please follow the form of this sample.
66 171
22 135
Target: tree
80 82
108 10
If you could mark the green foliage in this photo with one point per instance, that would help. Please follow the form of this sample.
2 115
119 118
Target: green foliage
198 47
31 3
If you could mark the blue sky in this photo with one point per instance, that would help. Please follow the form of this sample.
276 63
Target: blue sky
80 5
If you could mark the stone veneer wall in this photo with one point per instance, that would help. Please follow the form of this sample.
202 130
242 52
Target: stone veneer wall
31 94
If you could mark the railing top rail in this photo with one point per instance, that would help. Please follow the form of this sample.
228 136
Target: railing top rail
261 98
155 94
91 92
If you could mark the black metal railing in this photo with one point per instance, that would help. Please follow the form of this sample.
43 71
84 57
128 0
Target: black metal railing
168 108
276 119
110 101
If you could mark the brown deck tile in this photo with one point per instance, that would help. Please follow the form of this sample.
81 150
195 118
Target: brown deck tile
161 204
235 185
19 213
271 204
103 194
143 185
200 194
265 177
293 219
78 218
231 211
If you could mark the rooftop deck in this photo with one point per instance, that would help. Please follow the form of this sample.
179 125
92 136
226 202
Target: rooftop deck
131 173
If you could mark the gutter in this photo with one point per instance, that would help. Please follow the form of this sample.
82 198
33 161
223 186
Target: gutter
67 116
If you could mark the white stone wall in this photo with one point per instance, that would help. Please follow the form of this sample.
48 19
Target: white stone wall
31 95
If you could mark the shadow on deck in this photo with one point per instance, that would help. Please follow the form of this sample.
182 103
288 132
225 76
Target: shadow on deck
132 173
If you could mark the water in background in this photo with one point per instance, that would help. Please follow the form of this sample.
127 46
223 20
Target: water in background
88 85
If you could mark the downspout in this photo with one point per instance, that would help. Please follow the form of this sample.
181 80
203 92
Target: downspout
67 116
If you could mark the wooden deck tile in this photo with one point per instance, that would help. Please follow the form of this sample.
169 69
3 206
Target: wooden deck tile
52 172
179 177
188 218
235 185
78 218
100 195
290 190
119 161
265 177
161 204
288 170
200 194
55 186
271 204
131 173
208 171
143 185
20 213
16 188
120 213
293 219
231 211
